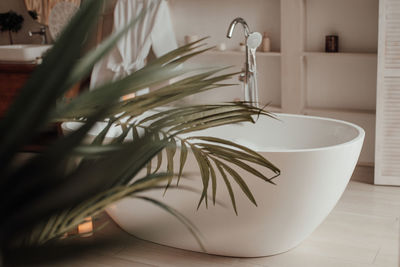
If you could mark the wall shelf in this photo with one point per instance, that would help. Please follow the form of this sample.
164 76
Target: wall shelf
340 54
336 110
241 53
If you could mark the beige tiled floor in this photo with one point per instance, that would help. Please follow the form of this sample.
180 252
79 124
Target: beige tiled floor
362 231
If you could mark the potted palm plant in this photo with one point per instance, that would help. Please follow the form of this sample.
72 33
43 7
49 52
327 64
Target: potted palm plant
10 22
41 198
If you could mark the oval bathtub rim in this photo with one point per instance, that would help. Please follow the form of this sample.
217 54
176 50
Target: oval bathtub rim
360 135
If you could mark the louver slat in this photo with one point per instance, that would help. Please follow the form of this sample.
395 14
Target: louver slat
387 158
391 128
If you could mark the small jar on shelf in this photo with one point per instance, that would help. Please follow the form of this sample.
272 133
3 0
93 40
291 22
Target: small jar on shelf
331 43
266 43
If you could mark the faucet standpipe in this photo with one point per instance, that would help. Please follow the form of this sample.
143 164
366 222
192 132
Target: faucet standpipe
249 78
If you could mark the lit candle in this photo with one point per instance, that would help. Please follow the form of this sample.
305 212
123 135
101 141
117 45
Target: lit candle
128 96
85 229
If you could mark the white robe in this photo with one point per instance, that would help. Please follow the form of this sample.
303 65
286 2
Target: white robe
154 31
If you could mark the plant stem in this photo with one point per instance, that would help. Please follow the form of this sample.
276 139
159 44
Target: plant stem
11 40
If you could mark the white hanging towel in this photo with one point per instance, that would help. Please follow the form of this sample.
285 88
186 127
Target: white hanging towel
154 30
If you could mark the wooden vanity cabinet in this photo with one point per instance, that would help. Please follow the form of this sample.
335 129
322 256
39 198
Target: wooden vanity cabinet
12 77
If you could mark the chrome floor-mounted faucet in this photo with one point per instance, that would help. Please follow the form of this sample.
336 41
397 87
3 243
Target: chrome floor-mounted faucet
249 78
41 32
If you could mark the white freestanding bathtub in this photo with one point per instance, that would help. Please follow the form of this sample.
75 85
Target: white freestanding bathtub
316 156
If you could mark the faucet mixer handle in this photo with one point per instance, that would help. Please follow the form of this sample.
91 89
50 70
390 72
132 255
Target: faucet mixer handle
242 76
42 29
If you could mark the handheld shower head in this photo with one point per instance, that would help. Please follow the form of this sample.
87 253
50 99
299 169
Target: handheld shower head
254 40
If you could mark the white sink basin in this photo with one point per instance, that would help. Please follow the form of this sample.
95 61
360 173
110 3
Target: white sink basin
22 52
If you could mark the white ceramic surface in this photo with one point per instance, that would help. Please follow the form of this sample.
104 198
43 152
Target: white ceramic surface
316 156
22 52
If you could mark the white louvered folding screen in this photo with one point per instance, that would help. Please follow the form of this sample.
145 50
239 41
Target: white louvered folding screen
387 152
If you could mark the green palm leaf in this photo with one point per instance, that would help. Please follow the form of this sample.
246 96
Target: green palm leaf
41 199
228 186
188 119
171 150
239 181
261 160
204 172
183 158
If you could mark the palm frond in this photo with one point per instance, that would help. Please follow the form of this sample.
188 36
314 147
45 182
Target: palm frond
109 172
61 223
228 186
174 54
42 199
211 151
183 158
170 150
87 62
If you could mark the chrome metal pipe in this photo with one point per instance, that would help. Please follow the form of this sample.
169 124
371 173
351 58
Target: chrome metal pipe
233 25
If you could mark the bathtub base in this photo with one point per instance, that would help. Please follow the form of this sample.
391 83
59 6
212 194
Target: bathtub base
287 213
316 157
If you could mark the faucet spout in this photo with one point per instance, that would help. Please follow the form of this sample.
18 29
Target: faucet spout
233 25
